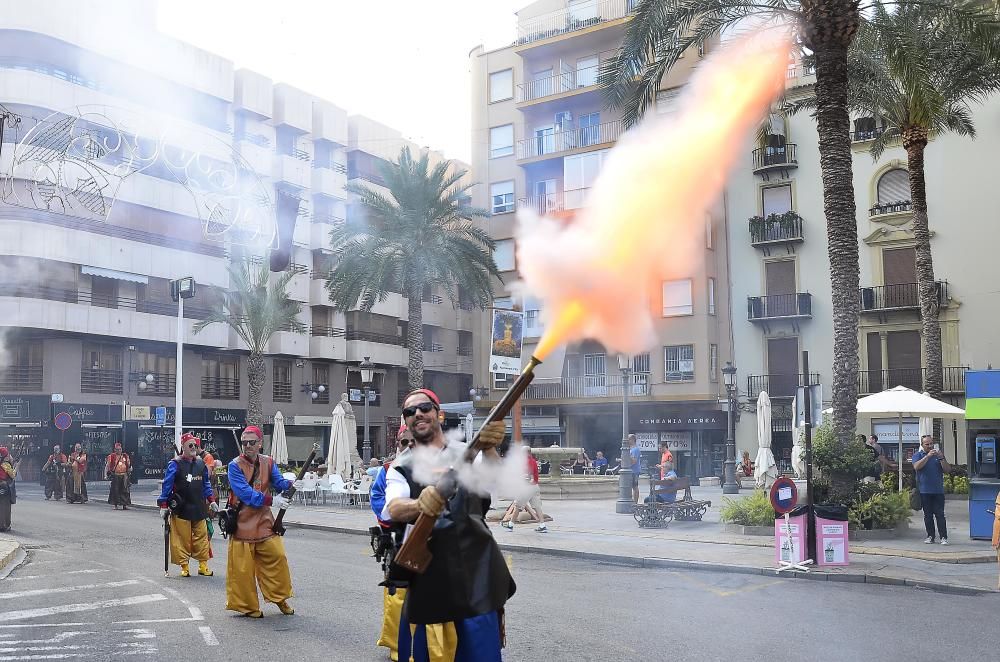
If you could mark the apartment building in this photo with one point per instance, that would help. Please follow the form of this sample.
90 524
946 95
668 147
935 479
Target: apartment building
94 226
779 265
540 131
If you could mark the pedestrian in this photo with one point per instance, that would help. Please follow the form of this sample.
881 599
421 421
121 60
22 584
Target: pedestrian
256 552
930 466
76 481
532 502
8 493
118 469
373 468
455 606
186 491
877 453
55 473
600 463
636 456
211 463
665 457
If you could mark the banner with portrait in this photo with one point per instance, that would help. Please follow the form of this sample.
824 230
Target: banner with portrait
505 344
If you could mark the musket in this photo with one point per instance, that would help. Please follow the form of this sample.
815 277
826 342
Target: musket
278 527
414 555
166 546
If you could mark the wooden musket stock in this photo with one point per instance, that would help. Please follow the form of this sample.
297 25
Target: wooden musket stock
414 554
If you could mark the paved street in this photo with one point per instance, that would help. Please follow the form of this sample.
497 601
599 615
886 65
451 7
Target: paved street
93 588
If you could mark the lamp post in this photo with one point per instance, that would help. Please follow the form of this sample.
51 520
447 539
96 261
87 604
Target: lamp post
367 377
625 505
730 486
180 289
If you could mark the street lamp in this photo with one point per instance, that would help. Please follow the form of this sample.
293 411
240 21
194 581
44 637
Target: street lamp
730 486
625 504
180 289
314 390
367 377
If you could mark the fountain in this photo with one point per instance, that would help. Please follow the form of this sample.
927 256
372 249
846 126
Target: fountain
556 486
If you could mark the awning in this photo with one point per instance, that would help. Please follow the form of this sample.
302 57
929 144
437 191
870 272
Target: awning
117 275
32 424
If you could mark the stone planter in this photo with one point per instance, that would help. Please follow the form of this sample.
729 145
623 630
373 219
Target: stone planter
741 530
956 497
579 487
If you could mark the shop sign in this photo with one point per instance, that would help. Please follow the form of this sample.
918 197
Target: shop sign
707 420
676 441
24 408
647 441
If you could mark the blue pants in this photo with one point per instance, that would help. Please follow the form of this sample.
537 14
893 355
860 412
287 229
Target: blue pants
475 639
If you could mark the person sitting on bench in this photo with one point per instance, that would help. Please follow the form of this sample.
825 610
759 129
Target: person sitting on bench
666 473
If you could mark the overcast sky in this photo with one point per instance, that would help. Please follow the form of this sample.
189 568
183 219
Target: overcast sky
402 62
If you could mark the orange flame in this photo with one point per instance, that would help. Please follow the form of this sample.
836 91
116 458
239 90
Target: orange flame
644 219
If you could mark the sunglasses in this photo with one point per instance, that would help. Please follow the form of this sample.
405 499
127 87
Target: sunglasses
192 445
249 442
424 407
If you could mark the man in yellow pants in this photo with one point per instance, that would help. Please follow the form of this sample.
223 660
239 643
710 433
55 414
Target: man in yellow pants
256 553
186 490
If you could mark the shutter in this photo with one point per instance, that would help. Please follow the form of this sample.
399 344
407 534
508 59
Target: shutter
782 366
899 265
777 199
894 186
780 277
903 349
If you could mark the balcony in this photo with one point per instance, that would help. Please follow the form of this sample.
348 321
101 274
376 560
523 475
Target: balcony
21 378
898 207
381 348
587 387
571 19
875 381
779 307
768 159
866 134
775 229
167 308
293 169
96 380
330 181
902 296
220 388
778 385
163 383
562 84
554 144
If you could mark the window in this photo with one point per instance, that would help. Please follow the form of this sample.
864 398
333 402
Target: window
894 186
579 173
640 374
666 101
776 199
586 71
503 254
103 292
321 375
163 368
711 296
713 363
281 382
220 378
506 303
23 368
678 363
501 85
590 129
102 368
677 298
502 382
501 141
532 317
582 10
502 196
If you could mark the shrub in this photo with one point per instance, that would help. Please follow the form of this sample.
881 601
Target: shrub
754 510
960 484
882 510
948 486
853 461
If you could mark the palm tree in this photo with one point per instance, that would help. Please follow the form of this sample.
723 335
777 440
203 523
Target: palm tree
255 307
421 235
660 31
908 70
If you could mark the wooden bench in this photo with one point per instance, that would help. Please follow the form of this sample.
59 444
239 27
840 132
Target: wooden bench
658 514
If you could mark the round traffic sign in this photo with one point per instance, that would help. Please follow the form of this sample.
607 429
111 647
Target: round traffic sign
63 421
784 495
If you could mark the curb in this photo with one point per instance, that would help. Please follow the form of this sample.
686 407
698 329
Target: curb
9 557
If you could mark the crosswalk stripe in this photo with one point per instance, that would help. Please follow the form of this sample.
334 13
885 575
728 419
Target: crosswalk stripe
208 635
66 589
61 573
23 614
62 636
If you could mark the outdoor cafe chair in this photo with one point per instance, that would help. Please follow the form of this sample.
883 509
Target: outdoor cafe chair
308 487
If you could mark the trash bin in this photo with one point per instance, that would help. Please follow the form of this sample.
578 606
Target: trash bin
790 546
831 535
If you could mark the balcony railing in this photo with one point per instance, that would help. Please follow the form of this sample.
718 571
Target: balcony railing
779 306
220 388
775 229
105 301
578 17
281 391
768 158
432 298
591 386
326 219
330 165
890 208
562 141
296 153
253 138
778 385
22 378
902 296
368 336
875 381
163 383
95 380
326 331
368 176
863 135
557 84
464 351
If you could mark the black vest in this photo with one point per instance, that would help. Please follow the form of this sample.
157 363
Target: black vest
192 502
467 576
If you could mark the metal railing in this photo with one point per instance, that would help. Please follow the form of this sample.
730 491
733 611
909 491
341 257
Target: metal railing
778 385
432 298
875 381
220 388
319 331
297 268
557 83
578 17
798 70
562 141
382 338
902 296
95 380
890 207
254 139
24 378
296 153
770 231
330 165
464 351
434 347
163 383
774 157
777 306
542 204
590 386
105 301
367 175
863 135
281 391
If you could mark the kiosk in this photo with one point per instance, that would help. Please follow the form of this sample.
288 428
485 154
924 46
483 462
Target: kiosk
982 422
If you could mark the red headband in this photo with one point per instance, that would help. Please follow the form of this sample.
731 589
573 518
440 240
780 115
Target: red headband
187 436
4 452
426 391
402 429
254 430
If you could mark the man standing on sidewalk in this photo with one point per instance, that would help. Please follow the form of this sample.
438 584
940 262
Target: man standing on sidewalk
930 465
55 474
636 456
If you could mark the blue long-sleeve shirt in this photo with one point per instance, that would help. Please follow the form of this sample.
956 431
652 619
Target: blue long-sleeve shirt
247 494
170 475
377 497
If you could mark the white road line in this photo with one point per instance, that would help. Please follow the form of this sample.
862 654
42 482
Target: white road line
195 612
141 633
83 606
45 625
210 639
66 589
154 620
62 636
61 573
41 648
56 656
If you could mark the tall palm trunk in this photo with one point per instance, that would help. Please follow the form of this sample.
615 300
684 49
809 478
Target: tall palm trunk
828 29
915 142
256 372
415 338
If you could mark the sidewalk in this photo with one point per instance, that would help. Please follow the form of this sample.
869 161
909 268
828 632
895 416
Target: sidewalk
591 529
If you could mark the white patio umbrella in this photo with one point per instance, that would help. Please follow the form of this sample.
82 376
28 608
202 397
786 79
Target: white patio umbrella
904 402
469 430
798 443
279 445
764 465
338 458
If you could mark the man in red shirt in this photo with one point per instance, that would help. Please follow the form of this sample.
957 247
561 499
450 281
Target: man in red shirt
533 502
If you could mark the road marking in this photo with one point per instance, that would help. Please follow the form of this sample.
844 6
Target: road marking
70 572
62 636
210 639
66 589
141 633
41 648
155 620
83 606
45 625
55 656
195 612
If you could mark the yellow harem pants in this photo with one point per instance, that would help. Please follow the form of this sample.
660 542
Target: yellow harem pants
253 563
188 540
392 610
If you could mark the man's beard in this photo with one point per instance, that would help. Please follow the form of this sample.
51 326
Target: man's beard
425 438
